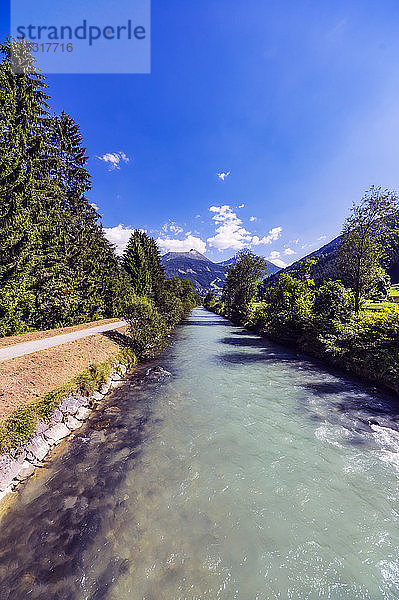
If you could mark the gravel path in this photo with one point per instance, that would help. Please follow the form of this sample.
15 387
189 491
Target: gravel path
57 340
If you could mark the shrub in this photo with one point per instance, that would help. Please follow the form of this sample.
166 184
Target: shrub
287 309
170 308
146 326
332 305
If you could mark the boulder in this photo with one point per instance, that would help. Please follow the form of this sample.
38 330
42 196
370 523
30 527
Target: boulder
70 405
83 413
41 427
56 433
9 469
157 373
122 369
116 377
97 396
5 493
105 388
82 400
37 448
56 417
26 470
73 423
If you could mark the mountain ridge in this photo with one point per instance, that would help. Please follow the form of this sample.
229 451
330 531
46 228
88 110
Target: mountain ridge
327 267
204 274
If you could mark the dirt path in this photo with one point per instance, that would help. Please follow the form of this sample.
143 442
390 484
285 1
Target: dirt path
17 350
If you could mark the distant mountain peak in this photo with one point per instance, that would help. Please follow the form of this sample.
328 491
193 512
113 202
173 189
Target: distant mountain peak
204 274
192 254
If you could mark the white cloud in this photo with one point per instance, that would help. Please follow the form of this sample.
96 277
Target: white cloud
279 263
289 251
190 242
173 227
222 176
322 237
230 233
274 257
272 236
252 219
113 159
241 206
197 216
119 236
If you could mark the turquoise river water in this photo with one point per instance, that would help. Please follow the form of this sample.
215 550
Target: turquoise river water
250 472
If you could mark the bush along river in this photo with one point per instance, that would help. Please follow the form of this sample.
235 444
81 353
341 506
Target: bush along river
238 470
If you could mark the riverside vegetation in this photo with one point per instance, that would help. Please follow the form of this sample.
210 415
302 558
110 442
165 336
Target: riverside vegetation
329 321
56 266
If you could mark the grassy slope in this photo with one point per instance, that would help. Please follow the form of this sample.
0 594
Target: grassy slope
25 379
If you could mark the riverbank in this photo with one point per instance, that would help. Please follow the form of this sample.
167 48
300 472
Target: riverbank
366 347
26 379
29 432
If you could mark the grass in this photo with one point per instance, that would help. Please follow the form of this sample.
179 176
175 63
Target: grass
372 306
18 428
28 378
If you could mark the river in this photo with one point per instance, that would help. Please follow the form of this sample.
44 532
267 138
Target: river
251 473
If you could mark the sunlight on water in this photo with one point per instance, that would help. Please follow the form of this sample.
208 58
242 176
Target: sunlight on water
249 473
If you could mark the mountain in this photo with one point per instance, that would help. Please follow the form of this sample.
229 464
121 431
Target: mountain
327 268
271 268
204 274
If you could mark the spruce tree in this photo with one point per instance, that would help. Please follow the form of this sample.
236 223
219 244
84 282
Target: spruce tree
23 124
135 263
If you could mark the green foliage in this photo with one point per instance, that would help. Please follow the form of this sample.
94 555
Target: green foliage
209 300
93 378
332 303
141 260
147 328
175 300
322 322
19 427
368 233
287 309
305 271
56 267
170 307
241 283
379 289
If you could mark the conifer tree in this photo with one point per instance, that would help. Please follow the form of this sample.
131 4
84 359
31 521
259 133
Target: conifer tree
156 270
135 263
23 123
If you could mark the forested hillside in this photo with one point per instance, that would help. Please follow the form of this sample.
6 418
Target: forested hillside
204 274
326 266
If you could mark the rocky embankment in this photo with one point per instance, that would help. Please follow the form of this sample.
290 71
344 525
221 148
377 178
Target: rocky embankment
20 463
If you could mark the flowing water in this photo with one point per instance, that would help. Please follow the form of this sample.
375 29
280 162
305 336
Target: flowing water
250 472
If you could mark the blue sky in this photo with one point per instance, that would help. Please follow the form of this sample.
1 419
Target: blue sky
298 100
